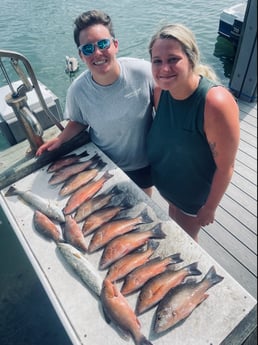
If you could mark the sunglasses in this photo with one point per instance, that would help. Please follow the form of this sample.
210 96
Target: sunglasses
89 48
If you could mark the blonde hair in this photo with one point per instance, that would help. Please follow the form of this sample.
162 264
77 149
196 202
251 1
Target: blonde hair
188 42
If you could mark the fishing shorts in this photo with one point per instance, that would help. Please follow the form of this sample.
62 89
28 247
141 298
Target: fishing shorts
142 177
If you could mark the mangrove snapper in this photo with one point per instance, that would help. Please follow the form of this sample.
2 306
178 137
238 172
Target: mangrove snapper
73 233
124 244
140 275
82 178
43 205
180 302
114 228
82 266
118 310
64 161
85 193
68 171
94 204
46 227
100 217
156 288
130 261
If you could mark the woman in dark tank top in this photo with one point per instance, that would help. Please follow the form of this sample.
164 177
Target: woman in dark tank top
194 138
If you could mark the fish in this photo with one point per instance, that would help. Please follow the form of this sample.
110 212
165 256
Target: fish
156 288
66 172
66 160
85 193
82 178
46 227
118 311
102 216
126 264
73 233
82 266
181 301
48 207
112 229
124 244
140 275
94 204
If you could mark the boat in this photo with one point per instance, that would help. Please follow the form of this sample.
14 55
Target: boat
231 21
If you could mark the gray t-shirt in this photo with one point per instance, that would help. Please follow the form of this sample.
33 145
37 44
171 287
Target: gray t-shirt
119 115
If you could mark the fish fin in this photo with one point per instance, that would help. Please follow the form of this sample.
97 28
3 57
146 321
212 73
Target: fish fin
145 216
152 244
83 154
11 191
176 258
213 277
193 270
157 231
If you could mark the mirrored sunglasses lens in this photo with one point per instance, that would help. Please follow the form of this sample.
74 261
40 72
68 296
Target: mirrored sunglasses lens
88 49
104 44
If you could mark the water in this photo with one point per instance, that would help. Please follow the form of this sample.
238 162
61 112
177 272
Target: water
42 31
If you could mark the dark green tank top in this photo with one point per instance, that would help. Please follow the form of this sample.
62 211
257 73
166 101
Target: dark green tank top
180 156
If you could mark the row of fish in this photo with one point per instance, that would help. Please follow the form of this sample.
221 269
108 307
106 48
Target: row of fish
127 250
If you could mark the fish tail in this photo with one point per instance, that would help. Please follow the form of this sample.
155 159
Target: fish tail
157 231
175 258
11 191
193 270
100 164
142 341
107 175
145 216
213 277
95 158
152 244
83 154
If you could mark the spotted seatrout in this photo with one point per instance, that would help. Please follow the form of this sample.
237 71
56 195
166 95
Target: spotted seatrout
180 302
82 266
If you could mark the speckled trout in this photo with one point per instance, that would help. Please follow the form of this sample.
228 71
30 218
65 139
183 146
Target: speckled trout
117 310
82 266
48 207
180 302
